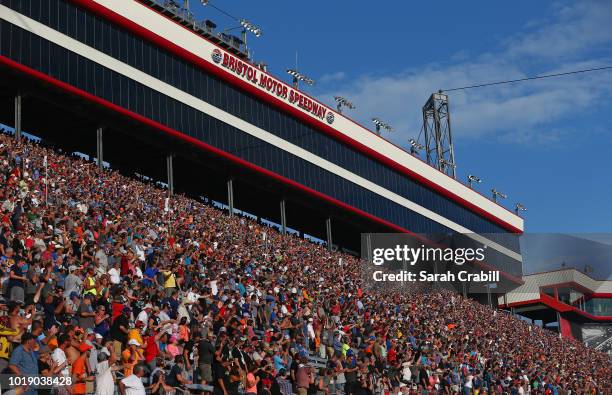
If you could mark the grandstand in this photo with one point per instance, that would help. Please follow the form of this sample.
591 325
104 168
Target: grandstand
259 293
106 77
149 91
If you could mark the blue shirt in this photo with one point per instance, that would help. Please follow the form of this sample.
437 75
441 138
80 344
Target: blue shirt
25 361
149 272
174 305
278 363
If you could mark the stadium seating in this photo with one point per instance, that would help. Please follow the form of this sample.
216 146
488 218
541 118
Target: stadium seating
85 253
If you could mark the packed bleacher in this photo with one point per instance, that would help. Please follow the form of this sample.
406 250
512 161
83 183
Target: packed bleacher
117 290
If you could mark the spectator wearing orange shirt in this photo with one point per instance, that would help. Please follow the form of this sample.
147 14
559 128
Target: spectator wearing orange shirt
131 356
79 370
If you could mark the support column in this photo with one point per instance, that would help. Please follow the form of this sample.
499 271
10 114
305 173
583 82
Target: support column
18 116
489 295
230 196
99 148
368 242
558 322
328 231
283 217
170 173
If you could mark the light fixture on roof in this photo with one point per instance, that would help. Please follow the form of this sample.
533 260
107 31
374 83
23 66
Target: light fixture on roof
342 102
297 77
251 27
444 163
519 207
497 194
246 26
415 147
472 178
381 125
262 65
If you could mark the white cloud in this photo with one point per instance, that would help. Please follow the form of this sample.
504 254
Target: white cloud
333 77
576 27
522 113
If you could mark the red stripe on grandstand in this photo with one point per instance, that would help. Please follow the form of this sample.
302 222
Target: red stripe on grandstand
76 91
181 52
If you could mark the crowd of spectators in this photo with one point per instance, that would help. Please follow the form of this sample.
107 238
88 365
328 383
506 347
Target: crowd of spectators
111 283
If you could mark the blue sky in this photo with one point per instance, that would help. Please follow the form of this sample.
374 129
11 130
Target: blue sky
546 144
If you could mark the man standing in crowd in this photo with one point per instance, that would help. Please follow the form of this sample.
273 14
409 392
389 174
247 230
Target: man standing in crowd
132 384
206 354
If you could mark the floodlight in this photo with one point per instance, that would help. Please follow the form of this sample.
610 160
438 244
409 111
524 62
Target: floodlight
342 102
444 162
497 193
415 147
381 125
472 178
519 207
297 77
251 27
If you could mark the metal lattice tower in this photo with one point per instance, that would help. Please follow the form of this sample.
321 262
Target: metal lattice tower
438 137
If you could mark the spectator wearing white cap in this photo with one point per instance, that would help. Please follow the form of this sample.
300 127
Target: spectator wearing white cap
131 356
143 316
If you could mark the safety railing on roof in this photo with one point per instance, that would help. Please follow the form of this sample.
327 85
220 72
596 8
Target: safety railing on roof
205 28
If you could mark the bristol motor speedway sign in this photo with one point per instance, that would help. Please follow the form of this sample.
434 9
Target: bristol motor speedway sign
263 81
